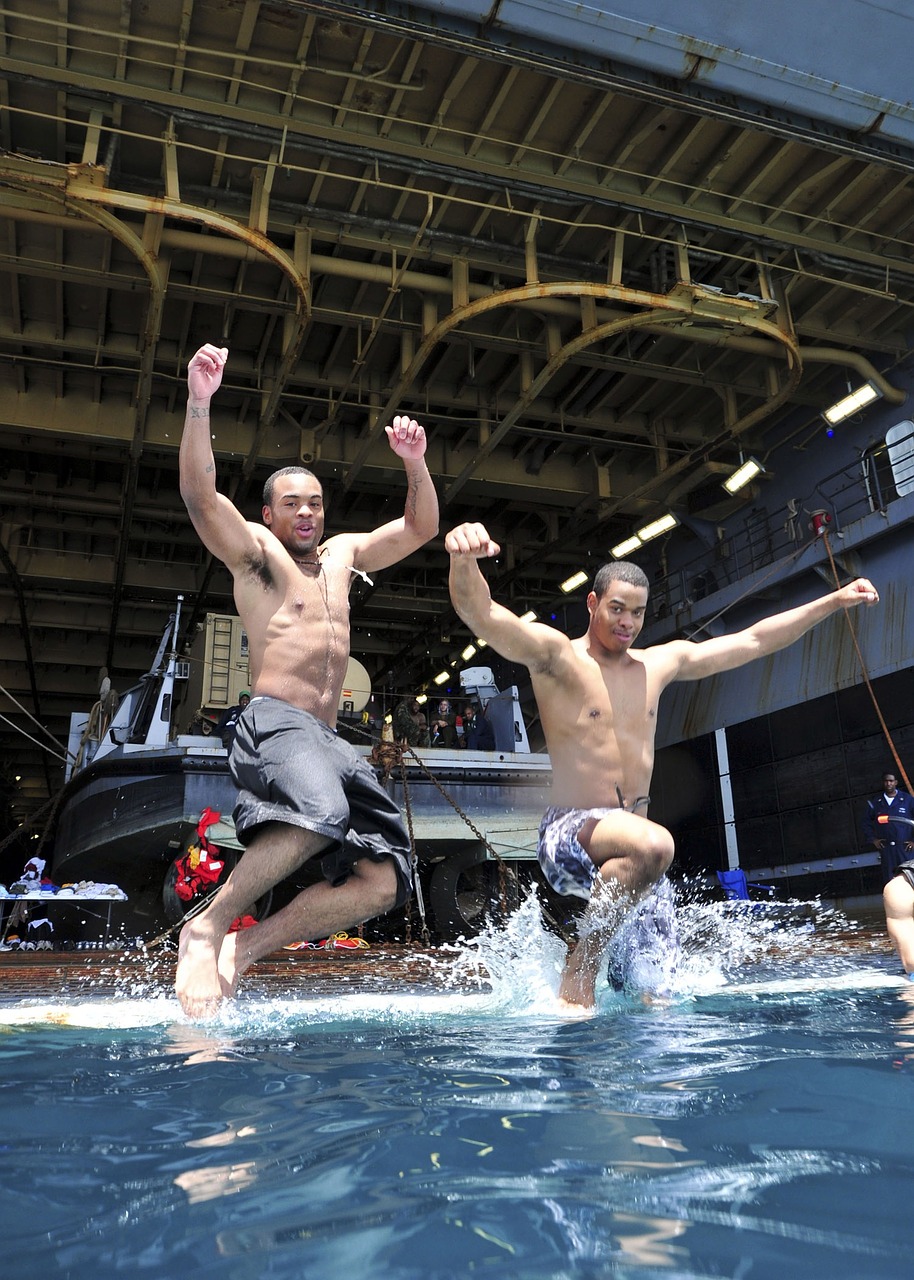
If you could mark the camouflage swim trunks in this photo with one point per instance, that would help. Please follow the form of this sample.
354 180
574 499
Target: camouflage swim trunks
566 864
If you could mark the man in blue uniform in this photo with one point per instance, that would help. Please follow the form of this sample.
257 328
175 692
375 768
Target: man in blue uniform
893 839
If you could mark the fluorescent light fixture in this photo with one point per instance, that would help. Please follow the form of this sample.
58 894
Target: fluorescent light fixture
442 677
858 399
468 652
656 527
481 644
529 616
576 580
626 547
742 475
422 698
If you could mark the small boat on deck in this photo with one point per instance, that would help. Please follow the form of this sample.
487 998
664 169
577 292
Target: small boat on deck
136 791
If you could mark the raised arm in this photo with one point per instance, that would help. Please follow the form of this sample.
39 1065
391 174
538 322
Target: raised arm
222 528
723 653
397 539
531 643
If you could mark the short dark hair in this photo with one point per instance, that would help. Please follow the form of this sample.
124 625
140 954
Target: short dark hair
283 471
619 571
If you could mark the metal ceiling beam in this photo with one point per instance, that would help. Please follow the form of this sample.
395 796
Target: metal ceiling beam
609 186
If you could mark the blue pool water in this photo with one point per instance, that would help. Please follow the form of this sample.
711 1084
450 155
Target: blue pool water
758 1124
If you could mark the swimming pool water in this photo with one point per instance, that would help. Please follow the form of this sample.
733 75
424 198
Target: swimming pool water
754 1131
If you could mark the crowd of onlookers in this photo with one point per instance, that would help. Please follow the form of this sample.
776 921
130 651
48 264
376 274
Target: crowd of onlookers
469 728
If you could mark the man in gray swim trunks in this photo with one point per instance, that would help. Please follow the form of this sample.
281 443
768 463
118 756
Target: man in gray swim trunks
303 792
597 699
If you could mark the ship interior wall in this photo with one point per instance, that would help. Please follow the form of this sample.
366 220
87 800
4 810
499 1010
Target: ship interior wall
800 779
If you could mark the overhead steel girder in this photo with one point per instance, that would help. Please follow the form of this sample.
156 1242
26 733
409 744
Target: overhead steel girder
610 188
79 185
157 277
685 303
81 188
320 264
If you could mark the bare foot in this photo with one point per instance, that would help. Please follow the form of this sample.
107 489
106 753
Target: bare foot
569 1009
577 990
197 982
233 961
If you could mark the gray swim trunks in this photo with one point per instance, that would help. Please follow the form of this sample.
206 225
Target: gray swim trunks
290 767
568 866
905 869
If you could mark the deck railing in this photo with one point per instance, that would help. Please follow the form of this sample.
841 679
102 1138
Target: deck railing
881 474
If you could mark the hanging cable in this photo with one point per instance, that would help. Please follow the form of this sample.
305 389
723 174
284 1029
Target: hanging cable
866 677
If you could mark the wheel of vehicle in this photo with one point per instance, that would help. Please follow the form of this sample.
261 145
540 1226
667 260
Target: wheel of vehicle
463 889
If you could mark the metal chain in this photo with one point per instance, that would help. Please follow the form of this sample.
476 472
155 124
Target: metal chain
388 754
397 751
863 668
414 864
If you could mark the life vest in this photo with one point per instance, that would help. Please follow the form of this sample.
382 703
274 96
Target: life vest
201 866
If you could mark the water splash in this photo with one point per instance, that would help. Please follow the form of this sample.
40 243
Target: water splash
671 946
519 960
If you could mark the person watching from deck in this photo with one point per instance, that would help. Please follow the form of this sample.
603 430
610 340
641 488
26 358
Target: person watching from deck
443 727
228 721
887 825
303 792
479 734
597 698
410 725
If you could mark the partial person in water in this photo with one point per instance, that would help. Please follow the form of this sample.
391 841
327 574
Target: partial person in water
303 791
598 700
898 900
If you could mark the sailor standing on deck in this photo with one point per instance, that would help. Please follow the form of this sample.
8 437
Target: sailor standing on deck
893 839
228 721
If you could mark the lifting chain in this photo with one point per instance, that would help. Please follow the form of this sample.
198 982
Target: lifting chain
386 755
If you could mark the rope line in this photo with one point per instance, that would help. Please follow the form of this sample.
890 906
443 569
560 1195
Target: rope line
863 668
42 746
775 568
25 711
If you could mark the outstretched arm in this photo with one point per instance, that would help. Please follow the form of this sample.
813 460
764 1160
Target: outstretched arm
222 528
531 643
723 653
397 539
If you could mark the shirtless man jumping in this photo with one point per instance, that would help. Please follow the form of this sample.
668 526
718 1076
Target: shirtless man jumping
303 792
597 699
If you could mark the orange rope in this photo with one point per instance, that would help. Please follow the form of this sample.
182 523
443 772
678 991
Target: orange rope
866 677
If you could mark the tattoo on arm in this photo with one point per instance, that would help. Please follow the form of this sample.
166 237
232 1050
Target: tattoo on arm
412 496
198 411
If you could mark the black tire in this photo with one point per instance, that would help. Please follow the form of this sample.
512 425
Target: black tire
465 890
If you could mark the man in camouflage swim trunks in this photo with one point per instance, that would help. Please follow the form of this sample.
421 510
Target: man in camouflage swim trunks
598 699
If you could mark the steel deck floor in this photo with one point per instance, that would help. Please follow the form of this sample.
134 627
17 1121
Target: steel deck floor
31 975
